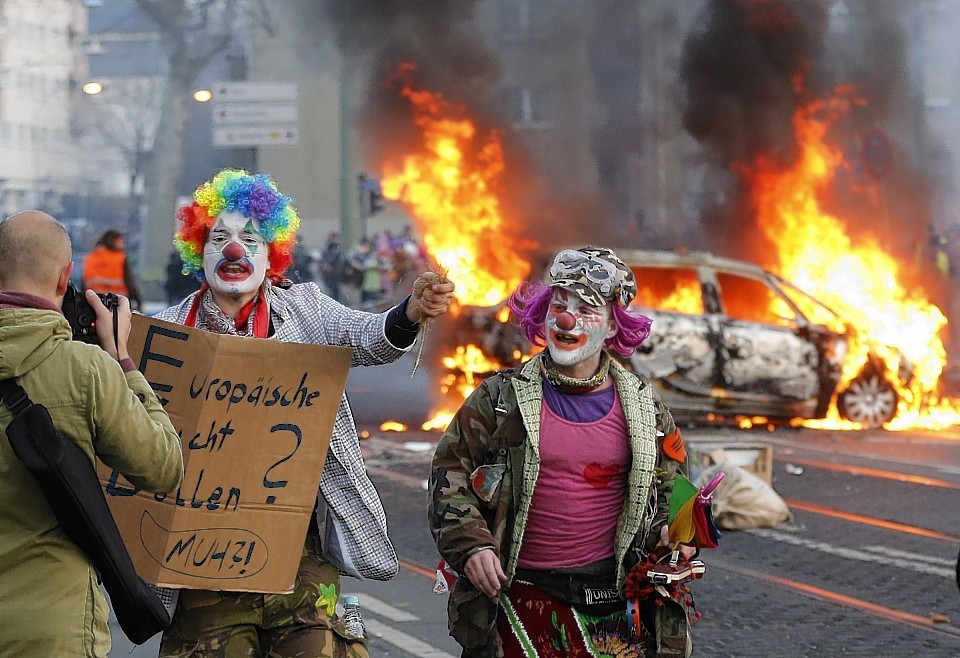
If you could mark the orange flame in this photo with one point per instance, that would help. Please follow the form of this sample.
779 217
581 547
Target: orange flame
464 369
853 276
452 189
685 298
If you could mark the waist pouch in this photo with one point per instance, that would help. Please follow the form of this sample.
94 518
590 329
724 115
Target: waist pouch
591 589
72 489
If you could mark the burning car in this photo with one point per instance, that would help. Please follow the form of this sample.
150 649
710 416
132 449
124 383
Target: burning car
732 340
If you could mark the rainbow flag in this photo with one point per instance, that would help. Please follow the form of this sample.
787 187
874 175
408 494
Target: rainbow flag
691 513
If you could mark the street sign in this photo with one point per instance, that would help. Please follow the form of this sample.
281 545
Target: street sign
250 113
246 91
255 135
255 113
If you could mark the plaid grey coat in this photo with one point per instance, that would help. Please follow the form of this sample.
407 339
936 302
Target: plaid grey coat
349 512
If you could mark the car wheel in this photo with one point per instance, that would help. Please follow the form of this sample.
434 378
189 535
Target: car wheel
870 400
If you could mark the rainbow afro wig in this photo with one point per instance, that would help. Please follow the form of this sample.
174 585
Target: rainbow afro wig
254 196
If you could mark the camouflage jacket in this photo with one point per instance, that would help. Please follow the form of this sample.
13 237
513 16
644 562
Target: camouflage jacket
499 427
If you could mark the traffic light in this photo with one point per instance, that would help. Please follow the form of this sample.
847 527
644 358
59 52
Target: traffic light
370 194
376 200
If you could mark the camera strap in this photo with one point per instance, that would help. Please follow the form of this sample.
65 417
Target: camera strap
116 330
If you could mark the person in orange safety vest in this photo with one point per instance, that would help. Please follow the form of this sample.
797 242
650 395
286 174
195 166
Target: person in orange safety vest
106 269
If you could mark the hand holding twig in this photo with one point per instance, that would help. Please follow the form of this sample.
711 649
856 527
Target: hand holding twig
432 293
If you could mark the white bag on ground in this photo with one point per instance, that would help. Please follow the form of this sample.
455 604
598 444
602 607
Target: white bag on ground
744 501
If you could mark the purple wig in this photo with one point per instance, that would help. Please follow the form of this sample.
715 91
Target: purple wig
530 301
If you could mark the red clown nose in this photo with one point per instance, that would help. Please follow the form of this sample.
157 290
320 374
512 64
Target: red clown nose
566 321
233 252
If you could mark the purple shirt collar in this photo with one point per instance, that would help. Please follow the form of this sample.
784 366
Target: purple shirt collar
580 407
26 300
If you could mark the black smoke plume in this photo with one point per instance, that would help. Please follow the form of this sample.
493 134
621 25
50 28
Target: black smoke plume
748 65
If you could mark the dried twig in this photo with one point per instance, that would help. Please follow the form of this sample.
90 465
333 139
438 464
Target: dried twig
419 286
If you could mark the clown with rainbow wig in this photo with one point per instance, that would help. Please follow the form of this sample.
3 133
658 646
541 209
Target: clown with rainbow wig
255 198
237 238
552 483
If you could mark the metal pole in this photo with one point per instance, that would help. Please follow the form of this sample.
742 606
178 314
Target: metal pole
348 224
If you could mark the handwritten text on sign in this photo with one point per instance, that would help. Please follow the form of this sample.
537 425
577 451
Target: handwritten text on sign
254 418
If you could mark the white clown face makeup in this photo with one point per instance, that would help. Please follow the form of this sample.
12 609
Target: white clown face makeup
575 329
235 255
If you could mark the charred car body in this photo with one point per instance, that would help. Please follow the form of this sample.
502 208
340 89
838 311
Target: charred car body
731 339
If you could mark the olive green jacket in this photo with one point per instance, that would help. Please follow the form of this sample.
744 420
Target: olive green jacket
50 600
499 427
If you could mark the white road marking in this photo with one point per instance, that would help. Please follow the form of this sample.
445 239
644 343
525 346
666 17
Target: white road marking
379 608
893 552
380 631
911 564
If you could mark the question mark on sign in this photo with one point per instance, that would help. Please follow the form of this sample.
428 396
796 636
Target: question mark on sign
274 484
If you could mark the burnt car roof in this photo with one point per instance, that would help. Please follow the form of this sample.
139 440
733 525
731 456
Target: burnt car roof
663 258
666 258
699 259
689 258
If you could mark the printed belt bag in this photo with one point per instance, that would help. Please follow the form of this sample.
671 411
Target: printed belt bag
73 491
591 588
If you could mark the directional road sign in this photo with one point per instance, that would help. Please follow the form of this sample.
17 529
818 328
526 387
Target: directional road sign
246 91
255 135
250 113
259 113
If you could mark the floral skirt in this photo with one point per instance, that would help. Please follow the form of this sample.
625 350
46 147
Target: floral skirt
533 624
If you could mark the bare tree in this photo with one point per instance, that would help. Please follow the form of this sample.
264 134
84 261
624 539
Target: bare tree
191 33
124 123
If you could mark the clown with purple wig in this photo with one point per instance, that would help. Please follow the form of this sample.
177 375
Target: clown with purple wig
553 480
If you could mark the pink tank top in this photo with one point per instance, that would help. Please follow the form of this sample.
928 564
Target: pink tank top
579 493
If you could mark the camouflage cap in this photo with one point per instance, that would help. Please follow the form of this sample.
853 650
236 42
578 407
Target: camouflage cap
596 274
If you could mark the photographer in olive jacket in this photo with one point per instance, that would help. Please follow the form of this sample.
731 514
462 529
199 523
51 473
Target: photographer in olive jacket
51 603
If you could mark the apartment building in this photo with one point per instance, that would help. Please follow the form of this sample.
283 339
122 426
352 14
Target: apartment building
39 157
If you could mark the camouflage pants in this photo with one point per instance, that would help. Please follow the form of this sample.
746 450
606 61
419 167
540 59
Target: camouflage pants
246 625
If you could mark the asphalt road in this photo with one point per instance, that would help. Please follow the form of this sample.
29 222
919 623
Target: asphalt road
388 392
865 569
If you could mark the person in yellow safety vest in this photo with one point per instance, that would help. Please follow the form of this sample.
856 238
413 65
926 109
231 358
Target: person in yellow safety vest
106 269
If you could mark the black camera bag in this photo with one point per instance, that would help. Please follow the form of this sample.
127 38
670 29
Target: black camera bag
71 487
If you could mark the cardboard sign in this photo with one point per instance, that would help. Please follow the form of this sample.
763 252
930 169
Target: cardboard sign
254 418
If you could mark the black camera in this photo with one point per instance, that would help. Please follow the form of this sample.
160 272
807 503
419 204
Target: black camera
80 314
